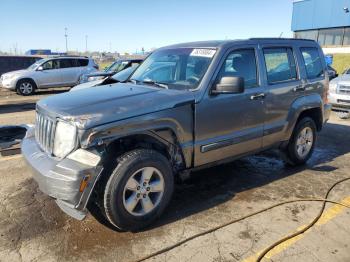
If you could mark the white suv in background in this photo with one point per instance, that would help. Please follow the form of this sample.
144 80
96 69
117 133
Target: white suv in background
48 72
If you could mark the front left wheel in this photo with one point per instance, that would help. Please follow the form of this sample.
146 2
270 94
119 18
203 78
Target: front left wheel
25 87
138 189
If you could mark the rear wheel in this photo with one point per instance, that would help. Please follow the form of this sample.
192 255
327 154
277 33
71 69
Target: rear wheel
25 87
302 143
343 114
138 189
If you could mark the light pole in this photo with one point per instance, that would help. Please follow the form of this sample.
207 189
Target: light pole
66 36
86 45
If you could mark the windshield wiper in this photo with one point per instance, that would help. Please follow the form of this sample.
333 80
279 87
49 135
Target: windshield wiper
151 82
134 81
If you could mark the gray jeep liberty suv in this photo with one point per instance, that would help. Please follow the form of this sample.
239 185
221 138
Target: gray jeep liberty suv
187 107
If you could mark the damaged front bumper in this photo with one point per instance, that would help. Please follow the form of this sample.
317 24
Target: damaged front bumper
69 181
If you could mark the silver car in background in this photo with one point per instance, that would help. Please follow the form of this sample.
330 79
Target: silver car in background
49 72
339 95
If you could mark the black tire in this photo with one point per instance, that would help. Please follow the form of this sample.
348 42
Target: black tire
25 87
292 156
343 114
127 166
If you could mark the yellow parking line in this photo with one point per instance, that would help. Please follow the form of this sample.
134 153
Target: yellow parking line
328 215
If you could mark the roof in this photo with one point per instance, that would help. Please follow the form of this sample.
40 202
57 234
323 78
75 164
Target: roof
131 59
223 43
68 56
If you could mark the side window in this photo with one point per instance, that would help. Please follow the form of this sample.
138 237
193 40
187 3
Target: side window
66 63
52 64
241 63
280 65
312 60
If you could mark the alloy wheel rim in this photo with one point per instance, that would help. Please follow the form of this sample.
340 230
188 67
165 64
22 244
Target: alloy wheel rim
26 88
143 191
305 141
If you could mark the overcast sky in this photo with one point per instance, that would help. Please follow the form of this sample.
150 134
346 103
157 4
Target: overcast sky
129 25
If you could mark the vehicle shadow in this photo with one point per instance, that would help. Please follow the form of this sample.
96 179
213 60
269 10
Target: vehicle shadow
214 186
28 103
52 91
19 107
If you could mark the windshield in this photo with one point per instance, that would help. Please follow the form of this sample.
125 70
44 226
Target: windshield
124 74
36 64
117 66
180 68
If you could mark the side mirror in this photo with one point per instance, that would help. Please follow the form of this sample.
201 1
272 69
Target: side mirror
229 85
40 68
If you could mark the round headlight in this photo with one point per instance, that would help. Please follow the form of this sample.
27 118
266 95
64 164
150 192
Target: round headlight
65 137
8 76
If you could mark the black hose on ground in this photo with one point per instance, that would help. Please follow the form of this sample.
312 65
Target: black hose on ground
268 249
313 222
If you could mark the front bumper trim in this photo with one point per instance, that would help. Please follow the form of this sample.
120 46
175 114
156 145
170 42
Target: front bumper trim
61 179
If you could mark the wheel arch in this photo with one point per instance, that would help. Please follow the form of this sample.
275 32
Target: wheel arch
163 141
26 78
306 106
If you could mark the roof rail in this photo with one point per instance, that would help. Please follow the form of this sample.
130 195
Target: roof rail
278 38
69 56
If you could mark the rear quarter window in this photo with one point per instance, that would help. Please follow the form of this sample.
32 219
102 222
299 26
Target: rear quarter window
312 62
82 62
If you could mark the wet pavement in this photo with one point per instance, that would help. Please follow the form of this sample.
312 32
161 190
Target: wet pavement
32 227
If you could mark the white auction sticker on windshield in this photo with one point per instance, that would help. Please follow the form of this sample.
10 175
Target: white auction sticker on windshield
203 52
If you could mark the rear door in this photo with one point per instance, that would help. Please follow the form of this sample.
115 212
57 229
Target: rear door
70 71
315 70
229 125
283 83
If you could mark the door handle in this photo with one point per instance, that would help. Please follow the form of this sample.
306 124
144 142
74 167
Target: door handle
299 88
257 96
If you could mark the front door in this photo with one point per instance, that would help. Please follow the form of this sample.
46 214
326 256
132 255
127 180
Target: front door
50 76
229 125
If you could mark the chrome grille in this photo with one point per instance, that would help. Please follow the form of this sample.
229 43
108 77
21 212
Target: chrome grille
342 89
44 132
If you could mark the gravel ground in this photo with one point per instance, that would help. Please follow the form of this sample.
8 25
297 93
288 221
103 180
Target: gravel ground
33 228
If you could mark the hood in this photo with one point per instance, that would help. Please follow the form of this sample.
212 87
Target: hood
87 85
341 79
101 73
17 72
100 105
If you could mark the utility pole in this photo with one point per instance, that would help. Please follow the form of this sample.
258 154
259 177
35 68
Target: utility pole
86 43
66 36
